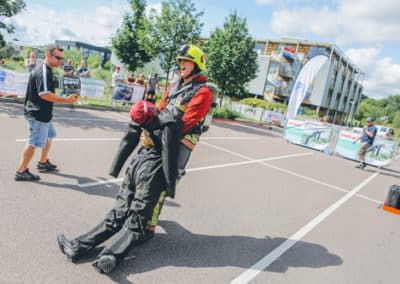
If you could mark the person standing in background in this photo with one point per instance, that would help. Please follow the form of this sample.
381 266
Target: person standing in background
116 77
83 71
367 139
30 63
151 93
68 69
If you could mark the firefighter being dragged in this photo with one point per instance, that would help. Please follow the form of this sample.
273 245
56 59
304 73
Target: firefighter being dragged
134 205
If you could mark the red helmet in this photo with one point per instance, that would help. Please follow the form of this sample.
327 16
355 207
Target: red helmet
143 112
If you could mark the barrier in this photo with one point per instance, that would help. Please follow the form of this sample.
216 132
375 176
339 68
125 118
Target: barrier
92 88
381 153
273 117
338 140
312 134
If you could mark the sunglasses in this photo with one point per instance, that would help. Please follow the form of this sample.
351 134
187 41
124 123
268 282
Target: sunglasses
57 57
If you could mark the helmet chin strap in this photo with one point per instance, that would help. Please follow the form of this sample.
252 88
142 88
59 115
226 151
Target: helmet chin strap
195 71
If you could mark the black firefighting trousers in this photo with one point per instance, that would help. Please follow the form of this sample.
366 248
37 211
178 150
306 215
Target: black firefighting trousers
141 188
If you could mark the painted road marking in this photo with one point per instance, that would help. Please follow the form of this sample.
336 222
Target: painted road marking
266 261
292 173
99 182
118 139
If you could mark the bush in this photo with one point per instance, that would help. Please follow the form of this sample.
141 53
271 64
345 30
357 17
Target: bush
263 104
17 58
224 112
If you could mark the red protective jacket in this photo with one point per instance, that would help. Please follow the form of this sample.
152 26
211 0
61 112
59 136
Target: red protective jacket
197 107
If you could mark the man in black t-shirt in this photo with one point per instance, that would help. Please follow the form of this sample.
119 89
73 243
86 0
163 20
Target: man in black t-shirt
38 111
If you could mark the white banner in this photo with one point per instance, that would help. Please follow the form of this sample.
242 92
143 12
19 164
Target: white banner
303 82
13 84
128 93
92 88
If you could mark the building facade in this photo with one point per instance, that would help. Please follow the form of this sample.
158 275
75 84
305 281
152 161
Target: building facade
336 90
86 49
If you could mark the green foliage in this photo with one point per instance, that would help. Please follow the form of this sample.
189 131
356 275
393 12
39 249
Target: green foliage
107 65
17 58
75 55
133 43
93 61
9 9
225 112
231 58
178 24
396 120
385 111
263 104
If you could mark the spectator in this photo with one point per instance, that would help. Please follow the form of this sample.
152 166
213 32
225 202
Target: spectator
116 77
367 139
30 63
130 80
68 69
142 82
83 71
38 111
151 93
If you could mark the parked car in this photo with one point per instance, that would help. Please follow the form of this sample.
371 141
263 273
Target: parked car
384 131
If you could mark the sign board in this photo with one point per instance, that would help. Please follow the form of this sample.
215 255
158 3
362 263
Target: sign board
92 88
128 93
309 133
70 85
381 153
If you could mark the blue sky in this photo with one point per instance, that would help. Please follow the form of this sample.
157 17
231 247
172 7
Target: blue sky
366 30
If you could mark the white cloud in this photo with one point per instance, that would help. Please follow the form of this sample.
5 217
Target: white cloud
301 22
364 22
382 74
40 25
351 21
263 2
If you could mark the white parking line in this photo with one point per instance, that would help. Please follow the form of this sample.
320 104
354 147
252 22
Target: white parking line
292 173
259 129
99 182
262 264
76 139
118 139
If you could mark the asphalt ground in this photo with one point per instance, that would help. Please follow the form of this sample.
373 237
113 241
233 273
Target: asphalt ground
251 209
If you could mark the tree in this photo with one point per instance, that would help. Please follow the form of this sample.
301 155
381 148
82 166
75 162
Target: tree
231 57
132 42
9 9
178 24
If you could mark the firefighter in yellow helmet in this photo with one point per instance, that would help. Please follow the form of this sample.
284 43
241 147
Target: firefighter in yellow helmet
190 99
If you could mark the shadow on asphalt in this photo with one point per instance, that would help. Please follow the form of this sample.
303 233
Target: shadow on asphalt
182 248
104 190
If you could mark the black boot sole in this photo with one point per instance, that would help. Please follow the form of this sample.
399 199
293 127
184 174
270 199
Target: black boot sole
105 264
62 244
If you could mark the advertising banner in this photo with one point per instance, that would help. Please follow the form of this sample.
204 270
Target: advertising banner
13 84
381 153
303 83
128 93
311 134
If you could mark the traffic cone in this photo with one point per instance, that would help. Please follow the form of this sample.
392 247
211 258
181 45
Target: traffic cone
392 202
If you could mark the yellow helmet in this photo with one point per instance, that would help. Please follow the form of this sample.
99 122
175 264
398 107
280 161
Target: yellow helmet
192 53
